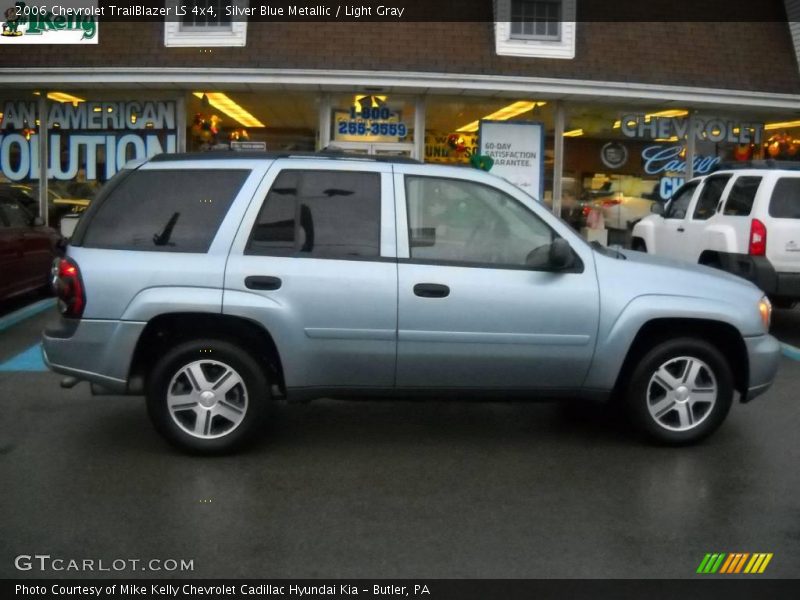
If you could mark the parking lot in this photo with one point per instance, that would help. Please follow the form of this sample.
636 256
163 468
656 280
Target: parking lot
394 489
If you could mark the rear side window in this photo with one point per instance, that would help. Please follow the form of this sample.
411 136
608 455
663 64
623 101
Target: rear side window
743 193
327 214
165 210
785 201
710 196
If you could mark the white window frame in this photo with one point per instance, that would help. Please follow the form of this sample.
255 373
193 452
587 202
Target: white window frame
508 45
176 36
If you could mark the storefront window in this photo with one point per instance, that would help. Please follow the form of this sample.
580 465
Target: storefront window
620 159
728 137
90 137
452 135
606 182
271 120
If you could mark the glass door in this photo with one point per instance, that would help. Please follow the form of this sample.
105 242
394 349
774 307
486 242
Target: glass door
384 149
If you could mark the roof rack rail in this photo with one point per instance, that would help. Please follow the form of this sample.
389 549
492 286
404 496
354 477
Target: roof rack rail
260 155
789 165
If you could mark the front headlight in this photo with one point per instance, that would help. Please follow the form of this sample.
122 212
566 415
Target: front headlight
765 308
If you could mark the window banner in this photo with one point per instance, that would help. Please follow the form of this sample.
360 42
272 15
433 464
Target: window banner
517 149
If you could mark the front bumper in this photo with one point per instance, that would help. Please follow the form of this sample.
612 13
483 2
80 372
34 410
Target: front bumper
97 351
763 358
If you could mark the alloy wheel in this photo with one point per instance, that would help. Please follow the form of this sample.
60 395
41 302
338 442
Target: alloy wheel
207 399
682 393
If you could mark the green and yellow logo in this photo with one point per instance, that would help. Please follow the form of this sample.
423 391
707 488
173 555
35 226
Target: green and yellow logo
734 562
22 19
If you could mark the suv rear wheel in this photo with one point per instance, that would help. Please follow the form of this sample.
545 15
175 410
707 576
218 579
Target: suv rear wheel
681 391
207 396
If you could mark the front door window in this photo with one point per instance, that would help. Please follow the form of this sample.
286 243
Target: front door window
680 202
463 222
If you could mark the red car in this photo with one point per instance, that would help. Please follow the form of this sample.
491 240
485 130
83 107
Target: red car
27 249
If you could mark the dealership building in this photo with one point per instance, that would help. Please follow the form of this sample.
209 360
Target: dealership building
626 108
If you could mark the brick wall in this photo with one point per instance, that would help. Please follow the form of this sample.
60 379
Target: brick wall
743 56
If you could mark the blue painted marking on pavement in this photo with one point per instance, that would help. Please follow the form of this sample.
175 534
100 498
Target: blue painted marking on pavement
26 312
29 360
790 351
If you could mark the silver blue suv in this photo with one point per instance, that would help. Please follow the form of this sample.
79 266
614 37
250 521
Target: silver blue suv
216 283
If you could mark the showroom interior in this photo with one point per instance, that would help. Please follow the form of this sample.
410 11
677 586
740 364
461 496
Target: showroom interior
589 153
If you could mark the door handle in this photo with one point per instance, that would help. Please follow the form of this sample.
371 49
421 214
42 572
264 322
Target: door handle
431 290
263 282
681 229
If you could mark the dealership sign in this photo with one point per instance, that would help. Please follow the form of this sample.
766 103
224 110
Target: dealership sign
614 155
667 160
99 137
710 130
64 22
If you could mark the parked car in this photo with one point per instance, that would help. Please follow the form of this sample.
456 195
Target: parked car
215 283
27 250
57 205
743 218
623 204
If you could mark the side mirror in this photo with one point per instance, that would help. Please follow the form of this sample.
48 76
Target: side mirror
657 208
561 255
556 256
37 222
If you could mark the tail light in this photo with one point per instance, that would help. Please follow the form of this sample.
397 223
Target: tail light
758 238
68 287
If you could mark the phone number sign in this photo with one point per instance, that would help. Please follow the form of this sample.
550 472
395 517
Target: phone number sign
369 124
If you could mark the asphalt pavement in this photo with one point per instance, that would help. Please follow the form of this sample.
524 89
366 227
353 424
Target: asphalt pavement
394 489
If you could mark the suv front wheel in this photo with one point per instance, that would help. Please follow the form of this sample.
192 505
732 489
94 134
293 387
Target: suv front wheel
680 391
207 396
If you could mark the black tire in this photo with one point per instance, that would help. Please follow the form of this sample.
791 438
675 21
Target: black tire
639 395
250 397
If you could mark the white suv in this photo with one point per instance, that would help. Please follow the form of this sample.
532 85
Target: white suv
744 219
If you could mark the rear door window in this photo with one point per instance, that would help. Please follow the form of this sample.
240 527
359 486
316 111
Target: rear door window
165 210
710 197
785 201
742 195
320 214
